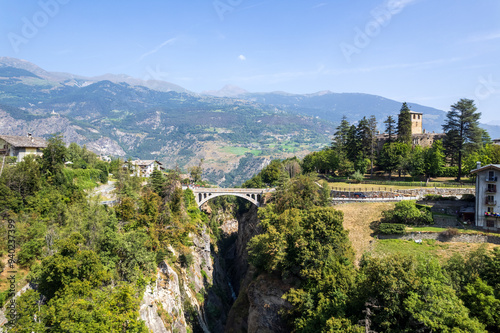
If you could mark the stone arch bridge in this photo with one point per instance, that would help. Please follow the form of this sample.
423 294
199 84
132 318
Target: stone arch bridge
203 194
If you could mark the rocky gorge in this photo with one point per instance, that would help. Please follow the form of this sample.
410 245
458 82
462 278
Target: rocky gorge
219 291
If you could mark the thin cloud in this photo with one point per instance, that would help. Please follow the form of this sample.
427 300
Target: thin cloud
242 57
484 37
320 5
158 48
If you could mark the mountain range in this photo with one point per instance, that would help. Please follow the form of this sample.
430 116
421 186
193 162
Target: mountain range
234 131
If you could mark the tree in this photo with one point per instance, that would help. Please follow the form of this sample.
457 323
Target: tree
196 172
462 130
404 125
417 161
339 141
434 160
54 155
353 145
157 182
364 137
390 127
392 156
372 125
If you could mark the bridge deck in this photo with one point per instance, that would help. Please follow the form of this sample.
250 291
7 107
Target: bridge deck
229 190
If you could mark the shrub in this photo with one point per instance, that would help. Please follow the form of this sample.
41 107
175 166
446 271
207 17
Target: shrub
392 229
468 198
450 232
406 212
186 258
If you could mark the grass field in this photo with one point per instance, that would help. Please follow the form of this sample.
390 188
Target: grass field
429 247
357 219
359 216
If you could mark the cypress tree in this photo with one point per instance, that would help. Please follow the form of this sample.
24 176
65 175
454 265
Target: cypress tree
404 125
389 127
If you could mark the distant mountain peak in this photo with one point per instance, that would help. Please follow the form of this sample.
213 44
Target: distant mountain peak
227 91
67 77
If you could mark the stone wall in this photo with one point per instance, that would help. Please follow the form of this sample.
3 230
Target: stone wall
419 192
462 238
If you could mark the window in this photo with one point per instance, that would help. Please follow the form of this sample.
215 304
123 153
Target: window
490 209
490 223
492 188
418 116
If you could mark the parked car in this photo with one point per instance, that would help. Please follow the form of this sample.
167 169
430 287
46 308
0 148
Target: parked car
359 195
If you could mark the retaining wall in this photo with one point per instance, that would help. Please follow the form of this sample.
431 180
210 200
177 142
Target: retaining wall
463 238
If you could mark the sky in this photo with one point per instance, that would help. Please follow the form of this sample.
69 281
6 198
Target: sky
421 51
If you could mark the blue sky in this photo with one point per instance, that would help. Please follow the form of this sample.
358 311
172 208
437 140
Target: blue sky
423 51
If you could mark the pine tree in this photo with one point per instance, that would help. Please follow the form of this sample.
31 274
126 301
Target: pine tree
404 124
364 136
389 127
339 141
462 130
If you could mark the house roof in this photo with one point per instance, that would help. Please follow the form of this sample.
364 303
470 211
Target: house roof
24 141
145 162
415 112
487 167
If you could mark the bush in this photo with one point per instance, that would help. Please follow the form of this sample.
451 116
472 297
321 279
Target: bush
450 232
186 258
392 229
437 197
407 212
468 198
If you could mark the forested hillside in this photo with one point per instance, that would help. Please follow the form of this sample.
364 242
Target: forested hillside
97 268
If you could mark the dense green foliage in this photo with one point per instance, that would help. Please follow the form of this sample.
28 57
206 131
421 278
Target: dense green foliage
90 262
392 229
407 212
306 243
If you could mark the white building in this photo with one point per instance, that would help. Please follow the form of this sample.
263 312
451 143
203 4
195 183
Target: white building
487 204
145 168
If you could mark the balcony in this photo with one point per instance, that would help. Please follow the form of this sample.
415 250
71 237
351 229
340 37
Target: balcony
491 214
491 190
491 179
490 203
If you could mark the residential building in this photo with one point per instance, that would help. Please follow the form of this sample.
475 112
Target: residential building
145 168
496 141
20 146
487 203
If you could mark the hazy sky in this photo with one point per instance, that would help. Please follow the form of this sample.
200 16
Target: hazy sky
431 52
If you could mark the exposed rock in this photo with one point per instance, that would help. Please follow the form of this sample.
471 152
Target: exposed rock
265 303
106 146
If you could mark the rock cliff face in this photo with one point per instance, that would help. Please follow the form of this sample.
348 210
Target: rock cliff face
259 298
